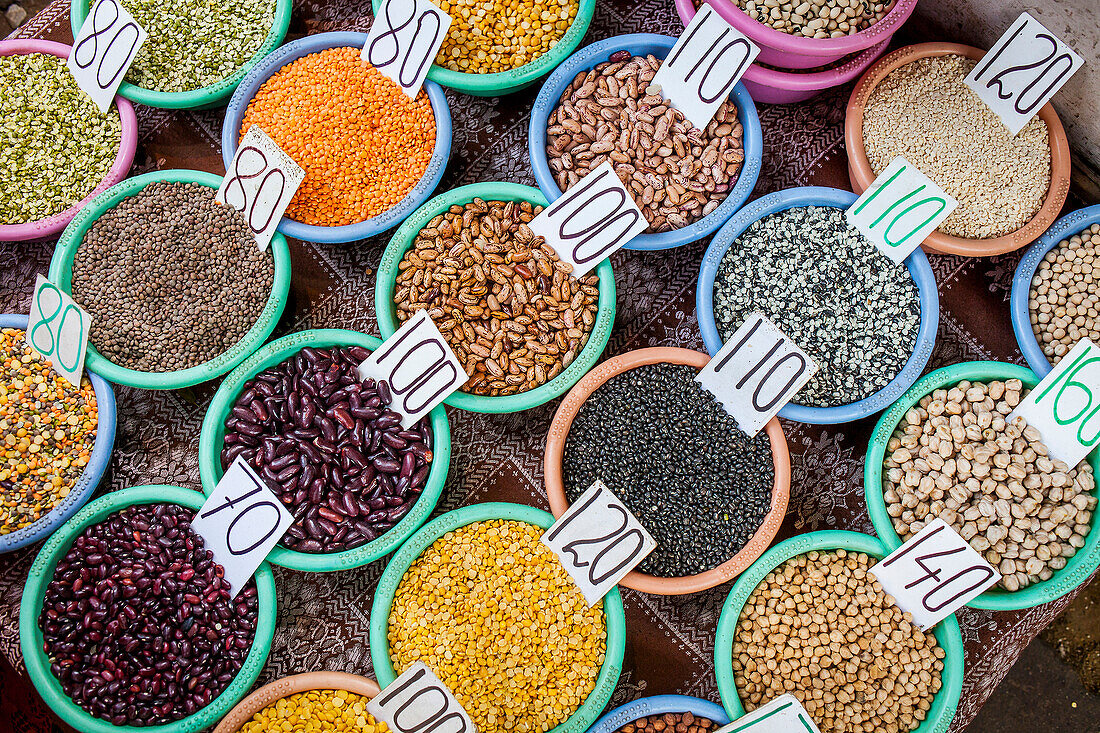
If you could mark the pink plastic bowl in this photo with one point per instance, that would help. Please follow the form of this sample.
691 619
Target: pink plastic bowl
52 225
776 86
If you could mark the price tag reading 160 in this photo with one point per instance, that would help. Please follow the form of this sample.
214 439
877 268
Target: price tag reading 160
404 40
418 702
103 50
260 183
58 329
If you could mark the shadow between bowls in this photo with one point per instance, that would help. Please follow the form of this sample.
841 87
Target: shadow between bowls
641 44
507 82
1077 569
41 573
51 225
658 705
1066 227
207 97
258 76
61 274
947 633
861 174
402 241
559 502
272 692
212 440
615 619
916 263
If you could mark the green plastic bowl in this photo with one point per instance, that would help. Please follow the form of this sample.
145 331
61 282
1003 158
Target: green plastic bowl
608 678
1077 569
506 82
212 440
402 241
61 274
30 636
947 633
207 97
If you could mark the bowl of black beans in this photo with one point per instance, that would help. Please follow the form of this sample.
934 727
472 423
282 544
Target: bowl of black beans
326 442
128 623
712 496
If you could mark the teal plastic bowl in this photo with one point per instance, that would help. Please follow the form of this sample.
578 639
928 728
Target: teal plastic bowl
947 633
506 82
212 440
608 678
1078 568
61 274
207 97
402 240
32 644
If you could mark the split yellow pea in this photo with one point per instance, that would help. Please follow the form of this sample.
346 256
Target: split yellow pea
330 711
490 36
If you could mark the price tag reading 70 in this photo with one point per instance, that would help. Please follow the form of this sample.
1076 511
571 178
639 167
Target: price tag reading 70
418 702
260 183
58 329
103 50
404 40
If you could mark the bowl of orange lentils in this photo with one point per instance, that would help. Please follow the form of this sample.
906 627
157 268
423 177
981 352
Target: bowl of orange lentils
371 154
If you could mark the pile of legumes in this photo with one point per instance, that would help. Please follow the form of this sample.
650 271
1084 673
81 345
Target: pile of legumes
670 723
171 278
508 307
999 180
1064 300
678 173
138 622
956 456
676 458
493 613
329 445
363 144
48 428
488 36
55 144
815 18
194 44
820 627
831 291
331 711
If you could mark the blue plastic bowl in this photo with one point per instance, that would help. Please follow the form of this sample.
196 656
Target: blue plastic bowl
93 472
641 44
918 268
250 85
659 705
1064 228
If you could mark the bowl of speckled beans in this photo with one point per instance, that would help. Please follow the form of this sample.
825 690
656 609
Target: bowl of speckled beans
335 702
1010 188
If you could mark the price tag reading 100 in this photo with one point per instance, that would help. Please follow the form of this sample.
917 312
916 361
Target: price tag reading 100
58 329
404 40
418 702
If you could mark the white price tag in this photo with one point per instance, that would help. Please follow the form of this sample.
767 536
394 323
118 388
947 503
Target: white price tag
417 702
260 183
103 50
1065 406
598 541
419 367
899 209
784 714
756 372
404 39
934 574
1022 71
241 521
591 220
58 329
703 67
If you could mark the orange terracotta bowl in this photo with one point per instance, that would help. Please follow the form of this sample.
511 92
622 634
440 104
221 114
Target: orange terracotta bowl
555 488
861 175
277 690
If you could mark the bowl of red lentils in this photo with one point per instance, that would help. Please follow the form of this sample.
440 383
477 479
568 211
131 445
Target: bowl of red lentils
57 439
371 154
332 701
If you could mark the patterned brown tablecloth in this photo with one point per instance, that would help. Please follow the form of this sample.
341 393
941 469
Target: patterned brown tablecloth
323 618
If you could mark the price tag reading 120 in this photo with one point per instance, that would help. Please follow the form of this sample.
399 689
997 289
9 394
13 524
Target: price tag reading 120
418 702
404 40
103 50
58 329
260 183
784 714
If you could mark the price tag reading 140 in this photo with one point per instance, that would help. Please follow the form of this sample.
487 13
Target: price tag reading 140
260 183
103 50
418 702
784 714
58 329
404 40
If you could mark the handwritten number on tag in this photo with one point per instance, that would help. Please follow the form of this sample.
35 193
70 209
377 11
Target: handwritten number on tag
801 365
255 163
617 210
1068 381
984 572
428 707
401 50
71 317
616 536
230 503
427 15
426 348
87 51
737 45
1052 60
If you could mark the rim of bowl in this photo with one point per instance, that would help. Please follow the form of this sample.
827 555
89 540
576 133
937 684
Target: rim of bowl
947 633
1078 568
47 227
272 692
212 439
267 67
916 263
861 174
207 97
41 573
658 705
506 82
1069 225
559 502
92 474
614 617
752 141
60 274
385 286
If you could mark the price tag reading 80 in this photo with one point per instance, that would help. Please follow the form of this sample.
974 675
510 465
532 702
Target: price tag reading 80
103 50
260 183
404 40
58 329
418 702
